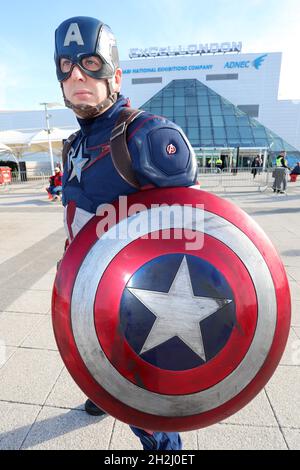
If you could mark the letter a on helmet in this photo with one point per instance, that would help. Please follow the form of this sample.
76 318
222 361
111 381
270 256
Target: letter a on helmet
73 35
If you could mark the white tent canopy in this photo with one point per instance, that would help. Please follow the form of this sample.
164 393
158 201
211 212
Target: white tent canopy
56 135
34 142
4 148
39 141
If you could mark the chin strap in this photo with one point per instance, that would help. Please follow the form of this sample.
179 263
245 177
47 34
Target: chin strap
85 111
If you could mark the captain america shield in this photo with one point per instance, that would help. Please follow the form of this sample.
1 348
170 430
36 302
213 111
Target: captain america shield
163 334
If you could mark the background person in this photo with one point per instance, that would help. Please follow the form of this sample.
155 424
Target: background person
55 188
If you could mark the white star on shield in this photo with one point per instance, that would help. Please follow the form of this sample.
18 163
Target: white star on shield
78 163
178 312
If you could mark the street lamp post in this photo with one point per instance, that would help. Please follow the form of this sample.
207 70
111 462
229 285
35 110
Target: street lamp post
47 116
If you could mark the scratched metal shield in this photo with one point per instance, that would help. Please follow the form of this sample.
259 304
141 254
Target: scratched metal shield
163 334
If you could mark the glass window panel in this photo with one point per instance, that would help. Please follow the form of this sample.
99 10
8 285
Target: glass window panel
245 132
195 142
201 91
205 121
190 101
214 100
261 142
180 121
155 110
193 133
202 100
179 111
230 120
228 110
180 92
232 132
178 101
278 142
192 121
191 111
190 92
206 142
259 132
243 120
204 111
248 142
216 110
167 101
169 93
221 142
206 132
179 83
233 142
219 133
217 121
167 110
155 102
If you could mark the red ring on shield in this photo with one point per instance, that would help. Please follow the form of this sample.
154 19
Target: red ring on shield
140 372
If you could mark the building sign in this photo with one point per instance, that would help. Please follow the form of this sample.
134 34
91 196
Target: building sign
246 64
212 48
175 68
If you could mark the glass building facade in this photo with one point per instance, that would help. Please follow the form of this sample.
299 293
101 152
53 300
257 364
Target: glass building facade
209 120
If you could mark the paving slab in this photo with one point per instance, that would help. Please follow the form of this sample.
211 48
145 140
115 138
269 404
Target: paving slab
294 273
123 438
66 393
292 437
289 357
30 301
284 394
295 320
294 289
29 376
237 437
68 429
15 327
257 413
5 353
297 331
42 336
45 283
15 423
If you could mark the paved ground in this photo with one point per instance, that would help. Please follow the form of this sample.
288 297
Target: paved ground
40 405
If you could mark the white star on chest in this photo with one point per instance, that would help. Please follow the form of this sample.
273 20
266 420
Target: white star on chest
78 163
178 312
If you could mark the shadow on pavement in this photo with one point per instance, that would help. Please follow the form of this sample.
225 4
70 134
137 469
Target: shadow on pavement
48 429
25 269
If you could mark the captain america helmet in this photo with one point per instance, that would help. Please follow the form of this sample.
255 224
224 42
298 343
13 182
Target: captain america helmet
80 39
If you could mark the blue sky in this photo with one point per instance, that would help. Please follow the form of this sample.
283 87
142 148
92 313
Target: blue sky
27 71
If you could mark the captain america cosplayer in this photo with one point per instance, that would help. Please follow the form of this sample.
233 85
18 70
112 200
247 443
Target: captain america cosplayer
117 151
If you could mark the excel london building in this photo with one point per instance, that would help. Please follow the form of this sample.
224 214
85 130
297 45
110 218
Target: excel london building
225 101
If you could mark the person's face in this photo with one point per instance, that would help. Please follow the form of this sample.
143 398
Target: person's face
79 88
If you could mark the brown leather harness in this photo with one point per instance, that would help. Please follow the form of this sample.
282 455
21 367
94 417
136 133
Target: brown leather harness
118 146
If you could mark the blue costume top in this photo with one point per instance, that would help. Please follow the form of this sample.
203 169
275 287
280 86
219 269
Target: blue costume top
161 156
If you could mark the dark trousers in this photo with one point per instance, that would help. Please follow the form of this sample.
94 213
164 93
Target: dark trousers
158 440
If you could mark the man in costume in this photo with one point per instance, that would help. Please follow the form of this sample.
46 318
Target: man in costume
117 151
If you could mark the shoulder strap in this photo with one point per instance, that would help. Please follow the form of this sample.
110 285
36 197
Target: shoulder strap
67 146
119 149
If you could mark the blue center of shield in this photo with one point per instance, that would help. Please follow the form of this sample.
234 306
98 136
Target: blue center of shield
177 312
